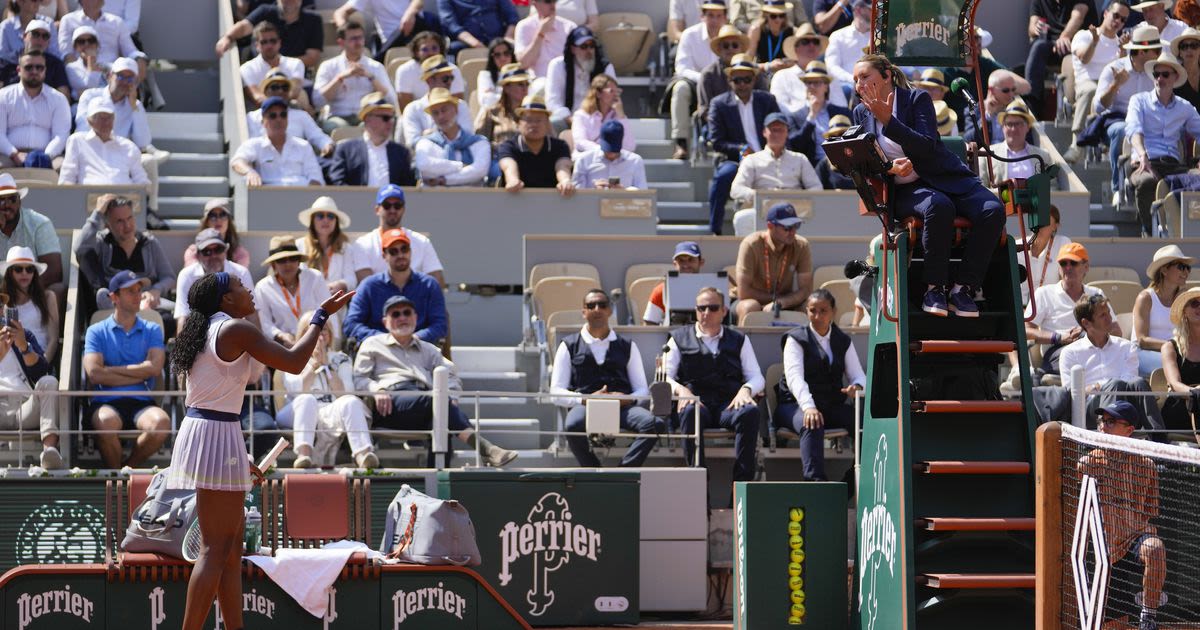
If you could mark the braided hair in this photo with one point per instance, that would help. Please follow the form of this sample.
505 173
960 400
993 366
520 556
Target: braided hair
204 298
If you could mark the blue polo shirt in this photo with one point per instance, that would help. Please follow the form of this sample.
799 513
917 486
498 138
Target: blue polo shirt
364 317
118 347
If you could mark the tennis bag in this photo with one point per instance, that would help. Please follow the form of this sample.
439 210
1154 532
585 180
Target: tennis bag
423 530
159 523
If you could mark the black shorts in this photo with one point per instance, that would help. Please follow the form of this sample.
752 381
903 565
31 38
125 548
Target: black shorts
127 408
1125 582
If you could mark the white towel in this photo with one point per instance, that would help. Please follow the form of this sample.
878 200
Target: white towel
307 574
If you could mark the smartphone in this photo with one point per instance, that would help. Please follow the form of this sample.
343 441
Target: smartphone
614 182
10 314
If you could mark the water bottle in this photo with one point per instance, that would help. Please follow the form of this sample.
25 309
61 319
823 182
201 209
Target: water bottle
253 531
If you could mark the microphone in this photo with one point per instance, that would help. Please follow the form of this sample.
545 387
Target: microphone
960 86
856 268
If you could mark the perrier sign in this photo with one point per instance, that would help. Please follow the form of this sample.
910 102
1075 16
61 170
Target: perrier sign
923 32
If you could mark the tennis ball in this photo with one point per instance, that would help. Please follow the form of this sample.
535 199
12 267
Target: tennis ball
796 541
795 621
798 597
795 582
794 527
796 514
798 610
797 555
794 569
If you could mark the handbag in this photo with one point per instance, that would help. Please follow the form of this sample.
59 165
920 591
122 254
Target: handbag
423 530
159 523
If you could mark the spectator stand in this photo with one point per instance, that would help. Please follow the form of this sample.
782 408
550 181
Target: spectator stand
233 98
68 205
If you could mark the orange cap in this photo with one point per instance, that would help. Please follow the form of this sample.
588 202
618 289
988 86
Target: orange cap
1073 251
393 236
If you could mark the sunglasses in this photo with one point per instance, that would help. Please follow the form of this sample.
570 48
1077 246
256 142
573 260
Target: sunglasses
1110 421
1189 46
403 312
275 115
387 118
445 79
218 215
502 53
393 251
1164 74
278 87
741 80
808 41
127 78
587 46
87 40
39 35
10 200
776 16
34 67
711 308
1193 304
1068 263
591 306
1120 17
731 45
392 205
1182 266
211 251
322 216
22 269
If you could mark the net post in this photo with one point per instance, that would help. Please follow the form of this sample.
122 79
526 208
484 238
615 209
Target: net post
1078 397
1049 526
441 416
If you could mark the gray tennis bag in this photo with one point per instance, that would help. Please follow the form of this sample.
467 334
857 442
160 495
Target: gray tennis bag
423 530
159 524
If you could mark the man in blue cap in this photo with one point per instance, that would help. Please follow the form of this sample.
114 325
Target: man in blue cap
608 165
774 266
275 158
687 259
368 255
775 167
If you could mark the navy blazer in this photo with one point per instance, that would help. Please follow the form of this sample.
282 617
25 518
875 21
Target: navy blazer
803 137
914 128
350 165
725 123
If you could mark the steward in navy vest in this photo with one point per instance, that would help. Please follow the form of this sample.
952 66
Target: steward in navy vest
587 376
715 378
822 372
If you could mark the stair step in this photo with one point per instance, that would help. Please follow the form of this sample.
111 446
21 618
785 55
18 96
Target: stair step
977 580
656 149
177 124
950 467
961 347
524 432
682 211
194 185
182 207
210 164
484 358
968 406
672 191
681 229
946 524
191 143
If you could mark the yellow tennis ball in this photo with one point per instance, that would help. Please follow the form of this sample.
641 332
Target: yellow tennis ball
795 621
794 569
794 527
797 555
795 582
796 514
798 597
796 541
798 610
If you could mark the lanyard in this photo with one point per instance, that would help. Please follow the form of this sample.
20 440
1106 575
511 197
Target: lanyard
773 45
767 267
287 296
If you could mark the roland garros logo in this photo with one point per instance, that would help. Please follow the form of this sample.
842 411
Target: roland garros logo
549 536
61 532
877 533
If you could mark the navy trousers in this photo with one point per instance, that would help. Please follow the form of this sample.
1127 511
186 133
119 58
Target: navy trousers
744 424
937 211
812 441
718 194
633 419
415 413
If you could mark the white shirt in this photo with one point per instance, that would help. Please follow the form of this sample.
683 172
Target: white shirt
12 377
576 10
388 14
299 125
751 374
193 272
1040 263
90 160
255 70
340 265
416 120
1056 309
592 166
1107 51
487 93
1118 359
845 49
1023 169
369 253
526 33
1137 82
128 122
41 122
687 11
377 162
746 114
111 31
281 313
560 377
793 368
295 166
1173 29
892 149
556 86
693 54
128 10
432 161
81 79
350 91
789 91
764 171
408 80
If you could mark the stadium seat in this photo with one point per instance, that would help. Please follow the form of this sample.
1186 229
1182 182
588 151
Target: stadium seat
560 293
579 270
779 426
1159 384
1126 322
470 70
787 319
825 273
33 175
1097 274
1120 293
401 52
628 39
560 318
744 222
470 54
842 293
638 295
346 133
638 271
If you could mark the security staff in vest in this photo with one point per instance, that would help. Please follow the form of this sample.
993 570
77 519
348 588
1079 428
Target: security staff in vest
716 363
595 361
816 359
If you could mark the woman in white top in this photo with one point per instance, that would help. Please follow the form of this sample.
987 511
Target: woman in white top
602 104
37 307
1168 272
409 84
500 54
287 291
317 401
326 247
214 350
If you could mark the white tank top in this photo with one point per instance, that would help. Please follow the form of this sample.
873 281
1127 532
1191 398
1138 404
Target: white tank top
214 383
1160 319
31 319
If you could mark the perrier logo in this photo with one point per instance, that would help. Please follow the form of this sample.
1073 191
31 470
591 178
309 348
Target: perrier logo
551 538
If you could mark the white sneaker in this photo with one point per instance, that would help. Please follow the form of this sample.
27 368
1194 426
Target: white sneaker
51 458
1073 154
1116 202
303 461
367 460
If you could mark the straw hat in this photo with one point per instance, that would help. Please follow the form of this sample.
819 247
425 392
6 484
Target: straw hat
19 255
947 119
1188 33
837 126
276 76
1166 255
1017 108
372 102
728 31
440 96
804 31
1165 58
435 64
816 71
1180 302
513 73
533 104
777 6
714 5
1144 36
932 78
741 62
8 186
282 248
324 204
1142 6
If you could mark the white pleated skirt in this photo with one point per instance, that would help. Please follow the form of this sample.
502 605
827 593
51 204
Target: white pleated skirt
209 454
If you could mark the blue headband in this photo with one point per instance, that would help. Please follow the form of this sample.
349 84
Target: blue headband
222 284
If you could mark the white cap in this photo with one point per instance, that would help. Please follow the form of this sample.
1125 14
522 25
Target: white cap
80 31
99 105
124 64
37 25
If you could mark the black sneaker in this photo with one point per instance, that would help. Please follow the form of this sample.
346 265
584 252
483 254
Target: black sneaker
962 302
935 302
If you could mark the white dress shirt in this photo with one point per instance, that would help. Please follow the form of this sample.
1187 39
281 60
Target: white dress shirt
377 162
556 86
694 53
416 120
432 161
751 374
687 11
128 10
576 10
339 265
526 33
592 166
1108 49
351 90
111 31
1173 29
793 368
368 253
388 14
560 377
1137 82
281 313
40 122
299 125
746 114
193 272
764 171
792 95
90 160
81 79
845 49
1056 309
408 79
255 70
128 121
1117 359
585 130
294 166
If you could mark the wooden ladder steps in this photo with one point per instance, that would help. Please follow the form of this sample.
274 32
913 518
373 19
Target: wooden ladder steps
951 524
962 347
968 406
953 467
977 580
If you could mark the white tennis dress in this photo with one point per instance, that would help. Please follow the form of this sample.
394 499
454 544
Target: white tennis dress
211 453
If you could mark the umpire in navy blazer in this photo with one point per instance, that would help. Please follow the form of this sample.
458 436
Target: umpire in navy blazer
929 182
728 137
